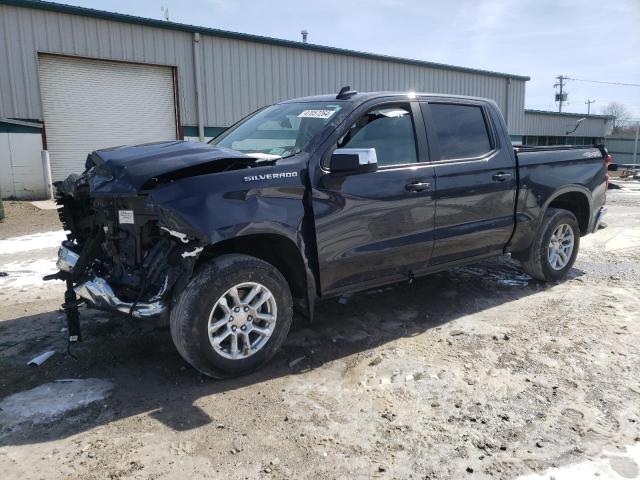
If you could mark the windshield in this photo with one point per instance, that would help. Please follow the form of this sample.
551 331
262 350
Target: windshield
279 130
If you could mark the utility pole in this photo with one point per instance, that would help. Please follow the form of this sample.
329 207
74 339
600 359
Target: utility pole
635 147
588 103
562 96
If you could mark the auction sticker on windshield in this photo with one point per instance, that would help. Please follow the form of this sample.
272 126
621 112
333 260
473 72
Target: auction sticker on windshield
316 114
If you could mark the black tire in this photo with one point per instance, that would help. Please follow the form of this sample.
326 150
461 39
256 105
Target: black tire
190 315
535 261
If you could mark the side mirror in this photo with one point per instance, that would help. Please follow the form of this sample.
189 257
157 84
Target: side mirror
353 160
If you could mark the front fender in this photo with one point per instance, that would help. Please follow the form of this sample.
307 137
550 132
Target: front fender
224 206
221 206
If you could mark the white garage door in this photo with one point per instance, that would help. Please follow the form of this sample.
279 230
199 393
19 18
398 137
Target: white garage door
93 104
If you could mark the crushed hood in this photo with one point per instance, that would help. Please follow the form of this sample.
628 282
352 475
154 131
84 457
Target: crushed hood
126 170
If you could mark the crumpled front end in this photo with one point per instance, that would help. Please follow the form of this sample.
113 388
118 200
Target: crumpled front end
139 217
120 255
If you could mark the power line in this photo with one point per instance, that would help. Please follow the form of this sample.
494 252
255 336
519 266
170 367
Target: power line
607 83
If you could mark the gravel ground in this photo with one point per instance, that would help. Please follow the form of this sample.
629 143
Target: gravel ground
478 372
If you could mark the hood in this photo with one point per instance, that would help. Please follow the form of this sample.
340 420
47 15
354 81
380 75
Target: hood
127 170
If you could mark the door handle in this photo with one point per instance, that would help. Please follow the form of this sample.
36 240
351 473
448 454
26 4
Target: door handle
501 176
417 186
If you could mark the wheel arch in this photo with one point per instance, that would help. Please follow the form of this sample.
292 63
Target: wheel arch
576 200
277 250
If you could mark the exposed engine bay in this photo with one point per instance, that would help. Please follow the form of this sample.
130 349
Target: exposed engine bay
117 255
124 252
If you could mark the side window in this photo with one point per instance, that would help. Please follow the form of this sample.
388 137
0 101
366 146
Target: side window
388 129
461 130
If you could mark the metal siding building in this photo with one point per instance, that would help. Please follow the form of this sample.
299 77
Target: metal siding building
265 74
541 123
21 173
28 32
239 73
622 149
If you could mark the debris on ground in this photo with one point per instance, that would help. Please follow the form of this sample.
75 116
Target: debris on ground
296 361
40 359
344 299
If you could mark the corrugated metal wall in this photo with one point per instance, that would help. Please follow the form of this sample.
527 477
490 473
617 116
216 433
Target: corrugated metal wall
26 31
265 74
622 149
238 75
21 174
557 125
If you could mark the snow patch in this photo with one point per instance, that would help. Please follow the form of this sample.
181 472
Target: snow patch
609 465
27 273
35 241
47 402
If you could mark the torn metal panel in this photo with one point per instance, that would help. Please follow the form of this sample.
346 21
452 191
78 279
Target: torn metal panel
128 170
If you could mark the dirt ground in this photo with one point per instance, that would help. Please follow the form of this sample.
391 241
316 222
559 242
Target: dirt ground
478 372
22 218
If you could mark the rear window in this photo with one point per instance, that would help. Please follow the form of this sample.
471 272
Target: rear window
461 130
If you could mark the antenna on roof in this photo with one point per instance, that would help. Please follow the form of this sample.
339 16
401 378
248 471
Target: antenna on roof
165 12
345 92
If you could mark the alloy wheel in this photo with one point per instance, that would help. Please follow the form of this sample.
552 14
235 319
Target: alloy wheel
560 246
242 320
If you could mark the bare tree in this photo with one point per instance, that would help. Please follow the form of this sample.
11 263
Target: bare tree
628 130
620 113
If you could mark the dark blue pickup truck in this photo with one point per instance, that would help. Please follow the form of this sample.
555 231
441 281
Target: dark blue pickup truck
308 199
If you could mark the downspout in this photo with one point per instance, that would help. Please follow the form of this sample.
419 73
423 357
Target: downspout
46 170
196 67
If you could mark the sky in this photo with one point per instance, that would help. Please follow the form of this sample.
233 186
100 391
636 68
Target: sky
582 39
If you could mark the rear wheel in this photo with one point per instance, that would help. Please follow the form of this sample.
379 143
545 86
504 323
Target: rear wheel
555 248
233 316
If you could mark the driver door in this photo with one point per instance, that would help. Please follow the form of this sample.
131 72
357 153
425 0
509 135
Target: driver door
375 227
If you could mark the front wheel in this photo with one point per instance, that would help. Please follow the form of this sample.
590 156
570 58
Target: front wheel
555 247
233 316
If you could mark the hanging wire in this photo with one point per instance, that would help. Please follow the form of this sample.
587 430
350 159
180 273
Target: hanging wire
607 83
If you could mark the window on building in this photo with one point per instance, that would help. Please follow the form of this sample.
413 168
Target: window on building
388 129
461 130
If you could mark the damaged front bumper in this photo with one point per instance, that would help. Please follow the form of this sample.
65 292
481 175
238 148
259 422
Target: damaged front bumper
99 294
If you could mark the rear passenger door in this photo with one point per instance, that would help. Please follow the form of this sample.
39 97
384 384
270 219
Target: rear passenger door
475 179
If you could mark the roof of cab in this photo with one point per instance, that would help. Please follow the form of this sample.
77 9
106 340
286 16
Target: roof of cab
361 97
